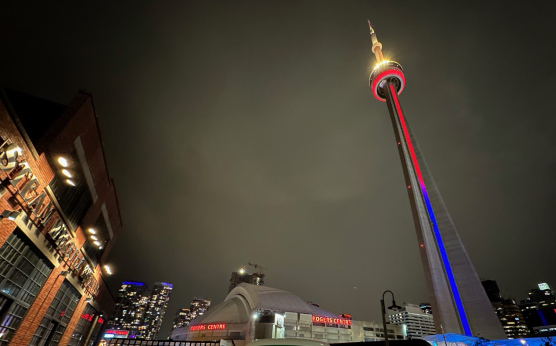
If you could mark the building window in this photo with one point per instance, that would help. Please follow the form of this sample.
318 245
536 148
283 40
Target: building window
57 316
83 326
23 271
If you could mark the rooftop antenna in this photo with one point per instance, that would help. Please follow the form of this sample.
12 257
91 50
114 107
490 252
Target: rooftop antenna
377 46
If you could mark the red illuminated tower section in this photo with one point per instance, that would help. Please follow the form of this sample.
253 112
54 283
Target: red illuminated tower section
459 302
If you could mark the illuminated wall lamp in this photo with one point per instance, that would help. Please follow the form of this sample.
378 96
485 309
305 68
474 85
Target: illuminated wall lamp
67 173
92 231
108 270
62 161
96 243
94 238
70 182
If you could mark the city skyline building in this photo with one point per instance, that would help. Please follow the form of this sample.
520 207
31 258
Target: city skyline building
539 310
418 323
158 303
182 318
198 307
508 312
459 302
131 305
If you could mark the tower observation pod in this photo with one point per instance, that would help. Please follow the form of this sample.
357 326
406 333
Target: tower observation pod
459 302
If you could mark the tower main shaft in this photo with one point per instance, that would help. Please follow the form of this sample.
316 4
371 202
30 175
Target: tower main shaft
459 302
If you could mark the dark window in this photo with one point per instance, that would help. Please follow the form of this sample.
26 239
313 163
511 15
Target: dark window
76 200
370 329
57 316
23 271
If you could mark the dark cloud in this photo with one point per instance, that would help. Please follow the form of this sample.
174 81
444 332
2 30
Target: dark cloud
246 131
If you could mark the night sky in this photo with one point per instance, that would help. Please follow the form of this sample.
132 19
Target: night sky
244 131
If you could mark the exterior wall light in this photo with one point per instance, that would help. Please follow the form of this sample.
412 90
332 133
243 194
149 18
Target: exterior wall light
62 161
67 173
92 231
70 182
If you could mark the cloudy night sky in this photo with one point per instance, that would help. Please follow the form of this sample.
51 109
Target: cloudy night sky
242 131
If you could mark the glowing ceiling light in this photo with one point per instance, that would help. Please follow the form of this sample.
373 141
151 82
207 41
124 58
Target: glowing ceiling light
94 238
92 231
96 243
62 161
108 270
66 173
70 182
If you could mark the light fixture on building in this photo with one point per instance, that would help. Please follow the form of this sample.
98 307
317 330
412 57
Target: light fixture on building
67 173
92 231
94 238
108 270
70 182
96 243
100 247
62 161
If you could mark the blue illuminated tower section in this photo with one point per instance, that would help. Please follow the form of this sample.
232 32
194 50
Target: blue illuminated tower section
459 302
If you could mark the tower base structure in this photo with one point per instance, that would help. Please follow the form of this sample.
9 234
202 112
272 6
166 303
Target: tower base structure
459 302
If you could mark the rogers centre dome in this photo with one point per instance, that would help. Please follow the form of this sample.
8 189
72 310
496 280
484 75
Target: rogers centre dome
252 312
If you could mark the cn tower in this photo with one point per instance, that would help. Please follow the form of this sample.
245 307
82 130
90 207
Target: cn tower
459 302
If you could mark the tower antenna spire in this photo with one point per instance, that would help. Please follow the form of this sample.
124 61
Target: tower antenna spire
377 46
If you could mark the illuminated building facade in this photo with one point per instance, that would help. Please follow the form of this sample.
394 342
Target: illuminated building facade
182 318
252 312
539 311
131 306
418 323
508 312
158 304
198 307
458 300
58 218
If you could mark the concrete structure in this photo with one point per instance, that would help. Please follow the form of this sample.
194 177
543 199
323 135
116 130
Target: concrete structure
458 300
252 312
59 216
417 322
243 277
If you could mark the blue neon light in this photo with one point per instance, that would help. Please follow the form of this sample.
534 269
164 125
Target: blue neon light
133 283
543 320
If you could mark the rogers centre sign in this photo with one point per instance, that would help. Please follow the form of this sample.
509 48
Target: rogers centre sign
213 326
330 320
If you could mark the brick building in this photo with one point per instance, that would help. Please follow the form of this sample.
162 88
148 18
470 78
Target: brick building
59 218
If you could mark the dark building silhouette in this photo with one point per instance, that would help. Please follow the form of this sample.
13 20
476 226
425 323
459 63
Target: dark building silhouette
243 277
539 311
507 311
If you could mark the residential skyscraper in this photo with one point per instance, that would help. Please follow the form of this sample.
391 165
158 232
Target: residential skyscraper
158 304
418 323
182 318
492 291
198 307
458 300
131 305
539 310
507 311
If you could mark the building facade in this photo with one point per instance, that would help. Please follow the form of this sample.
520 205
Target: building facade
243 277
131 305
198 307
158 304
459 302
418 323
252 312
182 318
58 218
539 311
508 312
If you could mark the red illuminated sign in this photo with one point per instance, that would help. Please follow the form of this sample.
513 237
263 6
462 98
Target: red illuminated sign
330 320
100 320
212 326
117 332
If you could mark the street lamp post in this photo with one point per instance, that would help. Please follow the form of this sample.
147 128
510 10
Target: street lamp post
394 307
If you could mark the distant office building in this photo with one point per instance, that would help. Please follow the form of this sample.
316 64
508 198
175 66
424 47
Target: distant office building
198 307
131 305
182 318
243 277
426 308
158 304
507 311
418 323
59 217
539 311
253 312
492 291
